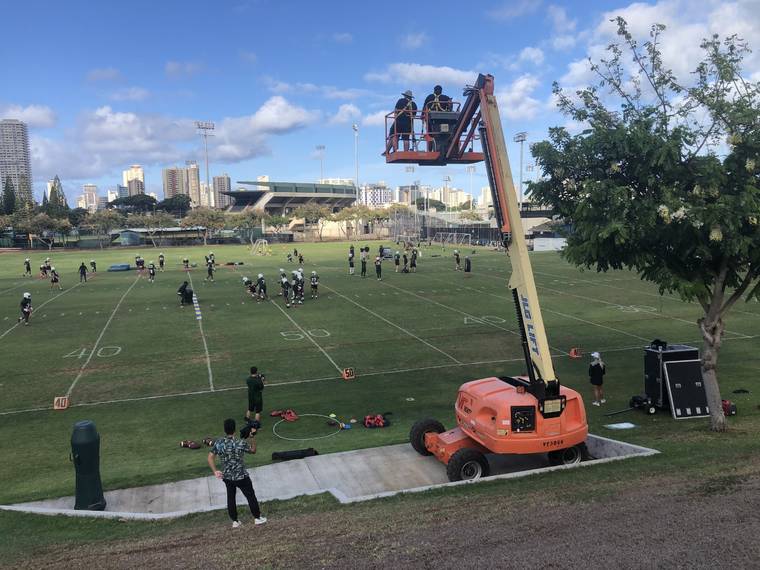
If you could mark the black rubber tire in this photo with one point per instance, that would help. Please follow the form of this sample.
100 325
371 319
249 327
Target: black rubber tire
569 455
467 465
418 431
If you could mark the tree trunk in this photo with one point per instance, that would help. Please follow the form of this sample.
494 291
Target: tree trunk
205 237
712 335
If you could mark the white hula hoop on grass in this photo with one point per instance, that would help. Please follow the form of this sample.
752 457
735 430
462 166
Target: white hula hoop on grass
274 429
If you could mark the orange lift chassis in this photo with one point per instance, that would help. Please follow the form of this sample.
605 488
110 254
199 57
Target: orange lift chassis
497 415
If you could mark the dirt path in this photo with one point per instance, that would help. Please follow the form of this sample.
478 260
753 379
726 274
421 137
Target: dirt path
668 525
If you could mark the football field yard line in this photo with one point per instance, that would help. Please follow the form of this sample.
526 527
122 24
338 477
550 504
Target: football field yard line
199 319
42 305
322 379
100 337
18 286
371 312
466 314
307 335
572 317
610 303
668 297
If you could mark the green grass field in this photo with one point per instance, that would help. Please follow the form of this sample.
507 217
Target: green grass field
143 369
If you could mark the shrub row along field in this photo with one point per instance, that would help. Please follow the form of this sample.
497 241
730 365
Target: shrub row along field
150 374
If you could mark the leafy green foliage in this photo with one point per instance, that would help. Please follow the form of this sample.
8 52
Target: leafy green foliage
8 204
667 184
177 205
137 203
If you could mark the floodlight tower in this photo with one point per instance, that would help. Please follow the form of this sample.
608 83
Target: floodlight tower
355 127
521 137
203 129
471 171
321 154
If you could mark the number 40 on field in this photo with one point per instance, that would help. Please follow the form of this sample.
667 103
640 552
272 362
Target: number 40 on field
103 352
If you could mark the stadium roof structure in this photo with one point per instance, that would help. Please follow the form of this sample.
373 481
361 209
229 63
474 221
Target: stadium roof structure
283 197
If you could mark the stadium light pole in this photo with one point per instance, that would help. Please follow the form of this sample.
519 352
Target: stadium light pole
203 129
471 171
321 153
521 137
355 127
410 170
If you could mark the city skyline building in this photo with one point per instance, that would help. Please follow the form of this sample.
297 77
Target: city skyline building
90 194
15 161
375 195
222 184
134 172
135 186
174 181
193 182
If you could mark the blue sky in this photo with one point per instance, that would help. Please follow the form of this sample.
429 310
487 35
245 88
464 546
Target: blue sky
105 85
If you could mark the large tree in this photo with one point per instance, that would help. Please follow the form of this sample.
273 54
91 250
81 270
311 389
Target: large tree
177 205
247 222
206 218
44 228
277 222
665 180
314 214
139 203
8 203
104 222
56 206
152 223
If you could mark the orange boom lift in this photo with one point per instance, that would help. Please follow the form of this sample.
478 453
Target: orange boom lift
505 415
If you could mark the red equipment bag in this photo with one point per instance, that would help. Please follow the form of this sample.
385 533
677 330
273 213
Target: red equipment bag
729 408
376 421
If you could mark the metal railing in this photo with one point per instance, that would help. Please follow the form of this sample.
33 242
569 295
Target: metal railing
422 129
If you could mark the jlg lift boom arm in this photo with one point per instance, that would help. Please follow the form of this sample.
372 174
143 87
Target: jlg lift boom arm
522 282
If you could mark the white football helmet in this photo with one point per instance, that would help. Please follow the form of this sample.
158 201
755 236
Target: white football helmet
27 295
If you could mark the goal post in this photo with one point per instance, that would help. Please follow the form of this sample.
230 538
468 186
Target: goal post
261 247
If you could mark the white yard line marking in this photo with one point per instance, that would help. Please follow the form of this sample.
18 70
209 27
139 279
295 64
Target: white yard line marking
568 316
667 296
323 379
371 312
199 318
14 287
307 335
467 314
42 305
608 303
100 337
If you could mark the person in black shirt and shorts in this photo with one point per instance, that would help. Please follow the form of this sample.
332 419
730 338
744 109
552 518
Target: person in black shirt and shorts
596 372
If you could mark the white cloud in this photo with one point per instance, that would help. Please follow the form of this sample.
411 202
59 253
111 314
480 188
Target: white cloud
347 113
104 140
326 91
130 94
414 40
512 9
178 69
35 116
342 38
516 101
420 74
688 22
241 138
560 20
104 74
532 55
374 119
248 56
563 42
